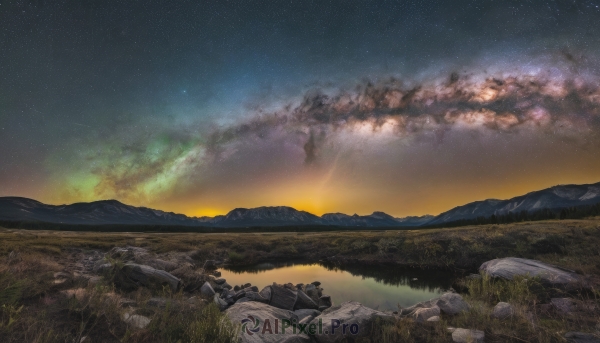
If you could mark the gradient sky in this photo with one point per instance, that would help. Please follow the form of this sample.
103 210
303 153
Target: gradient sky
198 107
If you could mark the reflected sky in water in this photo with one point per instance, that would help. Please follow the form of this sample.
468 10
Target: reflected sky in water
380 288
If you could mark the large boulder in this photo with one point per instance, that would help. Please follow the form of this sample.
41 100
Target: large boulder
508 268
132 275
348 315
253 316
283 297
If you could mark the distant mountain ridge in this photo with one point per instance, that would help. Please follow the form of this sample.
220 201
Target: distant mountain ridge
556 197
113 212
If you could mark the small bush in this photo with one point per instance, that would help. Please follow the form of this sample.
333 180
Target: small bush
236 258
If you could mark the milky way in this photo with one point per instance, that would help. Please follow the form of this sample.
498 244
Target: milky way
408 108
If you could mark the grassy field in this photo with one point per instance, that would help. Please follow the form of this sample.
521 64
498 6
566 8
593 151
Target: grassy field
34 309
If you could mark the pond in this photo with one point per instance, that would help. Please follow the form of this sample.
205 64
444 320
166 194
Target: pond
381 287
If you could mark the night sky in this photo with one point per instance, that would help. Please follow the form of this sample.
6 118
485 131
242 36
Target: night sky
198 107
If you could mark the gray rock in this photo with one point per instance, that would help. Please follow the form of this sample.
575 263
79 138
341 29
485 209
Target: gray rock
217 273
261 312
467 336
283 297
266 293
452 303
219 281
304 313
563 305
508 268
325 302
316 283
423 314
254 296
502 310
246 285
305 302
348 313
434 319
449 303
207 290
222 304
581 337
132 274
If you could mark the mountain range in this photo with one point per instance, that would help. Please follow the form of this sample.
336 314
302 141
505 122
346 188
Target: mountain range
105 212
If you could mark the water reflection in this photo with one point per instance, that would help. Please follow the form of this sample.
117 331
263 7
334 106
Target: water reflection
382 287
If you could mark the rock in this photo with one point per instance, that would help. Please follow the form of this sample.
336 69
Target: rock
241 300
350 314
220 281
132 275
305 302
246 285
305 313
127 303
502 310
222 304
467 336
254 296
448 303
508 268
282 297
207 290
136 320
251 312
434 319
325 302
217 273
237 288
102 267
316 283
300 286
581 337
452 303
210 265
423 314
563 305
266 293
474 276
313 292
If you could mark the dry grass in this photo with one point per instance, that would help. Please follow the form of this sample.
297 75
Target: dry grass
33 309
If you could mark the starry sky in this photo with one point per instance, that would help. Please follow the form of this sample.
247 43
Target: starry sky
198 107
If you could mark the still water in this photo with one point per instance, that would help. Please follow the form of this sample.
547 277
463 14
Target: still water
380 288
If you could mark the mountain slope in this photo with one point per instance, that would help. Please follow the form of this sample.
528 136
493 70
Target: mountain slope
93 213
550 198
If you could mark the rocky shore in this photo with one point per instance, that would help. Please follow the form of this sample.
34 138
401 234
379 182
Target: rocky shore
304 306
